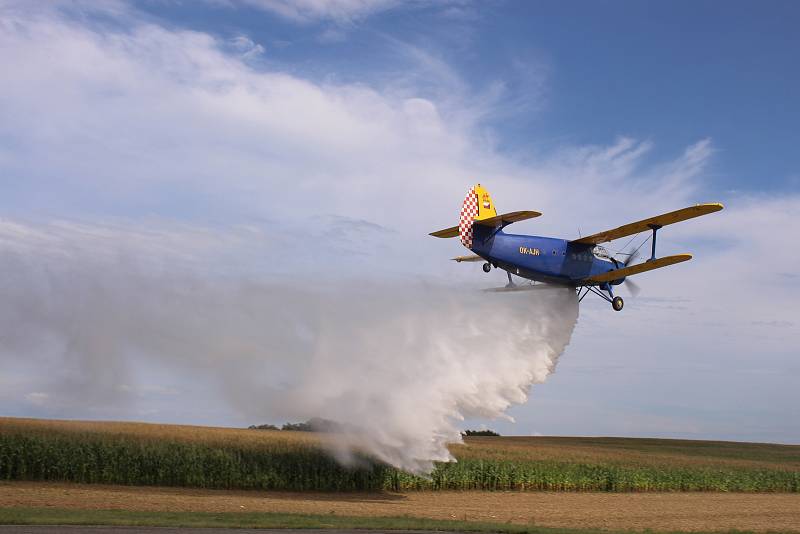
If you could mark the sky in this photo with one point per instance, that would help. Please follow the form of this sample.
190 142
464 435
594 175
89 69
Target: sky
159 158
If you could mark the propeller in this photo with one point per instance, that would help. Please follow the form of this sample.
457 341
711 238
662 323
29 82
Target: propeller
632 287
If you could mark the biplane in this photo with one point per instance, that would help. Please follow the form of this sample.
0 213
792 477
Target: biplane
578 263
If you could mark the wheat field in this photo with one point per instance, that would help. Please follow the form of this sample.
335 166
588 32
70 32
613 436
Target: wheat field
207 457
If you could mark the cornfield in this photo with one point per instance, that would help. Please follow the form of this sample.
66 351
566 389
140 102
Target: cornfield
165 455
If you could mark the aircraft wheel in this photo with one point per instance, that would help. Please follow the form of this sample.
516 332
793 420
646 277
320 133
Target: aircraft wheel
617 303
487 267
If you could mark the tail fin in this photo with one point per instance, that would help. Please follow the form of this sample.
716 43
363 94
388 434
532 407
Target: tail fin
478 205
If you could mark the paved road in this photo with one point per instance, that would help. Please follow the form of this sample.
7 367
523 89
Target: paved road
171 530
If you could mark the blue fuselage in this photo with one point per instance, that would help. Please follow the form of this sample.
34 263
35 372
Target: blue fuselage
544 259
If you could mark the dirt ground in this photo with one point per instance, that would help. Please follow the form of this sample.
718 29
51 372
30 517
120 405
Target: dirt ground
657 511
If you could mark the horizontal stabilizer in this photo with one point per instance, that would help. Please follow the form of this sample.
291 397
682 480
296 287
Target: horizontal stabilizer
447 232
647 224
508 218
649 265
459 259
499 220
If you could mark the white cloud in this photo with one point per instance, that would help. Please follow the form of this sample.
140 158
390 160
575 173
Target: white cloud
37 398
246 47
339 11
150 109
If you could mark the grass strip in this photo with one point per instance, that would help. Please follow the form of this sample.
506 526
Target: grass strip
59 516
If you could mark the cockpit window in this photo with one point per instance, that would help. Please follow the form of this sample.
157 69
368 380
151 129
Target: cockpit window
601 252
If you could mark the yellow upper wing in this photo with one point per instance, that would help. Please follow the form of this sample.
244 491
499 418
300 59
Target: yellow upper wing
645 224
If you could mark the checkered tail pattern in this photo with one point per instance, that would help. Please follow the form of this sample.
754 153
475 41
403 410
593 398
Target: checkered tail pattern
469 211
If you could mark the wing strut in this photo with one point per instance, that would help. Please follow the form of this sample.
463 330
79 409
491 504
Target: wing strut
655 228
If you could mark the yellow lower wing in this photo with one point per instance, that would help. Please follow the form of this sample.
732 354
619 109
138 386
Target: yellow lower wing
647 224
638 268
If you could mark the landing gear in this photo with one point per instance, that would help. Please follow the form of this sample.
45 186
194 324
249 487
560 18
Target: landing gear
487 267
616 302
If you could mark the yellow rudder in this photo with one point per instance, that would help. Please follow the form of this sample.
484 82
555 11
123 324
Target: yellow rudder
478 205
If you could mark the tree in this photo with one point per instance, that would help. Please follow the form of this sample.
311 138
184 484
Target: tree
479 433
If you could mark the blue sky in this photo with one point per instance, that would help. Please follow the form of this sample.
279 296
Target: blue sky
190 190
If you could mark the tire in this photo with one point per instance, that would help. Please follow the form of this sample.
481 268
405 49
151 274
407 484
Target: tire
617 303
487 267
